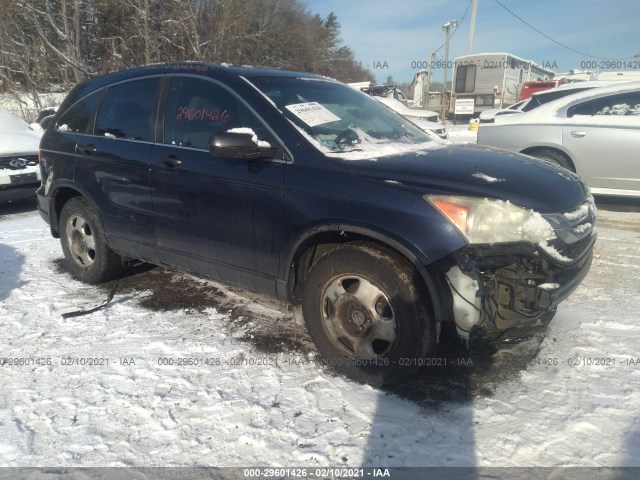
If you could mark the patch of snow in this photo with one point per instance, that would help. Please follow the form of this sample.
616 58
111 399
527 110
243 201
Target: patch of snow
254 136
584 227
562 407
536 229
548 286
580 212
460 134
553 252
487 178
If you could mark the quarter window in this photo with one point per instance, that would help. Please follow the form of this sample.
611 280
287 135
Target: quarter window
79 118
127 109
198 109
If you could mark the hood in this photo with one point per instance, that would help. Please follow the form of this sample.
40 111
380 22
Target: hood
20 142
482 172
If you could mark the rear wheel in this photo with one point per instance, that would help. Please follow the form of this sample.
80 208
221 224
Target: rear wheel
553 156
88 256
368 316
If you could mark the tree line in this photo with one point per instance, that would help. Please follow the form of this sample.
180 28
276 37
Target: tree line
50 45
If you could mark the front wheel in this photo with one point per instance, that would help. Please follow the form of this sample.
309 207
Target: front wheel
367 313
88 256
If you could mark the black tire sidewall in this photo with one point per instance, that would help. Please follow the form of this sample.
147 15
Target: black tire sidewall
106 263
399 283
553 157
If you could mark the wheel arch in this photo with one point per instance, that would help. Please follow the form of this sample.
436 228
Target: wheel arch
60 196
531 150
322 239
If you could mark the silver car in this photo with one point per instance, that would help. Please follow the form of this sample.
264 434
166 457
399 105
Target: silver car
540 98
595 133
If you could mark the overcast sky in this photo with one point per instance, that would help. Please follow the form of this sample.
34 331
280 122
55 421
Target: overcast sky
406 31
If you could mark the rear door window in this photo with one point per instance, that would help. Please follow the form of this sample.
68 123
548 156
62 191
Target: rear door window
127 110
627 104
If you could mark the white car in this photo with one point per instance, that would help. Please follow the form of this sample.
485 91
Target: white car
426 120
19 170
595 133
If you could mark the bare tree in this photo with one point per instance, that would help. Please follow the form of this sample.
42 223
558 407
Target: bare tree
48 43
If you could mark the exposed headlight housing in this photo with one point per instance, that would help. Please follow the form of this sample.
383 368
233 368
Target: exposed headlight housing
486 220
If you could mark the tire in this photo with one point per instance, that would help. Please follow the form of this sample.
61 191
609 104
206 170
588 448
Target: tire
366 313
88 256
553 156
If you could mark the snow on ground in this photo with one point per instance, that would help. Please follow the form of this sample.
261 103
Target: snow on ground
26 106
571 400
460 133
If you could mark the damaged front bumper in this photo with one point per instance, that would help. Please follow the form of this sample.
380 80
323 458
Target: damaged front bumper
495 288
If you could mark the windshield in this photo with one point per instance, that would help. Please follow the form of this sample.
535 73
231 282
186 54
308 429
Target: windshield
340 118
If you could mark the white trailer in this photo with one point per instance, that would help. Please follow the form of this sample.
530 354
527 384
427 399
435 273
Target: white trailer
492 80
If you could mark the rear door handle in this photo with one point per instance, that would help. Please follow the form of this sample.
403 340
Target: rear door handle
171 161
577 134
88 148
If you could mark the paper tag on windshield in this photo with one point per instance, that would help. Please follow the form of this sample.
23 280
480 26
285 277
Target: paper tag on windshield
312 113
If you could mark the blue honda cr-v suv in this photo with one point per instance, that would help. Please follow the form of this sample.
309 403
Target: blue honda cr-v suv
300 187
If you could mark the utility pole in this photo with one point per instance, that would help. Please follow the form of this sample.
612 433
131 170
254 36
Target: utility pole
447 29
472 27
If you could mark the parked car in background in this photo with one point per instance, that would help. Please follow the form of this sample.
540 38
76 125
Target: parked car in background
299 187
19 172
595 133
427 120
540 98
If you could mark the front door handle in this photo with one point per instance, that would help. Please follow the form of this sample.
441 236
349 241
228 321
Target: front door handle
88 148
576 134
170 161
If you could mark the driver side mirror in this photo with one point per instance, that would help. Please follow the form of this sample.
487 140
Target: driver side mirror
238 145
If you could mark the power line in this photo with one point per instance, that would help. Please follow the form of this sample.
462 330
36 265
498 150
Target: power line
553 40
